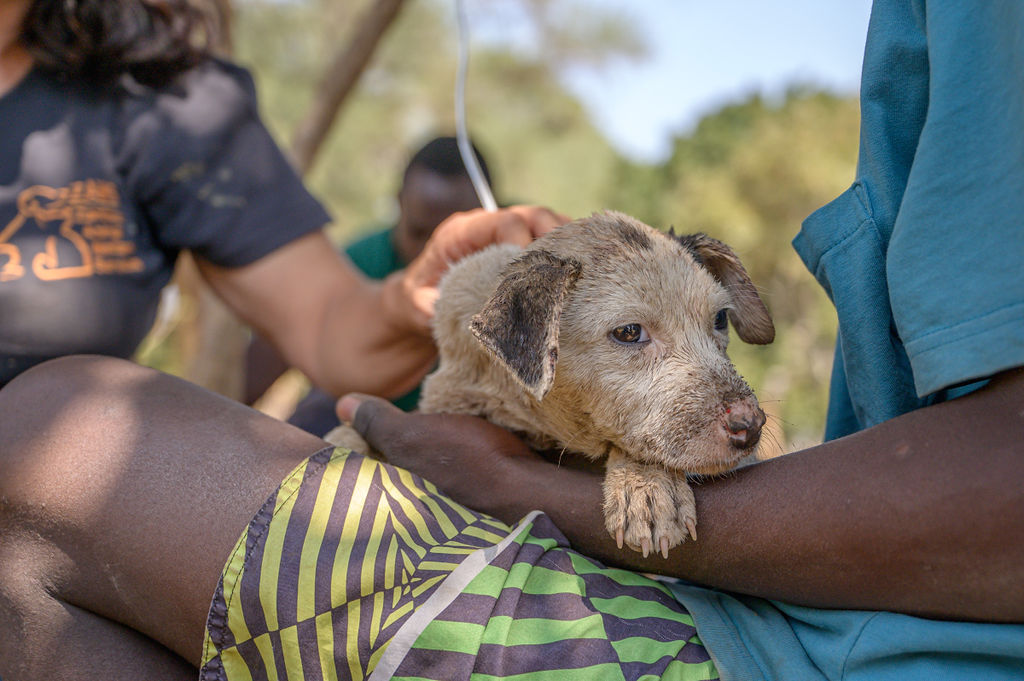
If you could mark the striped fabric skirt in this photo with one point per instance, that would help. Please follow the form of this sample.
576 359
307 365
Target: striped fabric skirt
356 569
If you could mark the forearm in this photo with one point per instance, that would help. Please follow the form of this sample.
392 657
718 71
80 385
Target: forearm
386 352
923 514
344 331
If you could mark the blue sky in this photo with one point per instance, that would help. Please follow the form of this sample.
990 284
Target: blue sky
704 53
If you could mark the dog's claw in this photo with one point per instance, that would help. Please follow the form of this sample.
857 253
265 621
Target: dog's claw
619 536
645 547
664 547
692 527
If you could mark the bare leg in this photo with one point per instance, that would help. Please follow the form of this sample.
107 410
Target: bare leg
122 491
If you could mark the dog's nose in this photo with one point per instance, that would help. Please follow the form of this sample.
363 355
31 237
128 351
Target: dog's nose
743 421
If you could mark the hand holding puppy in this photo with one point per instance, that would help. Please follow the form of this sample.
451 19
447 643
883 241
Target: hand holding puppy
412 292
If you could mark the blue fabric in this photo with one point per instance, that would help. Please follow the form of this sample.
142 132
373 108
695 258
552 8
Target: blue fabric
922 258
939 195
754 639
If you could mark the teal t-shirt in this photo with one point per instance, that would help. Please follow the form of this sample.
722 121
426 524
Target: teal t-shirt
922 258
755 639
374 254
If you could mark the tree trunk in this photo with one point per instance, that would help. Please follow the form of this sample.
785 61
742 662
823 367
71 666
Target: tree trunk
339 79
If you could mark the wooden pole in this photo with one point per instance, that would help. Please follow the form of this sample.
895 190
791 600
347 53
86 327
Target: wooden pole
339 79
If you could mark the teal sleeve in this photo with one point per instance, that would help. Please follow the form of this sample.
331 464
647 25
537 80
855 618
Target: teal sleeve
923 255
956 257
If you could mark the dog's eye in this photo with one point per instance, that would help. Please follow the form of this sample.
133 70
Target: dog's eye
721 320
630 333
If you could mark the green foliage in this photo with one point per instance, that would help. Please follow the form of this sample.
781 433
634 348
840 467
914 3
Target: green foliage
747 174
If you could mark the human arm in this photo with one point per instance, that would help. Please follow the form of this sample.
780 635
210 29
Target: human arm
207 177
347 332
923 514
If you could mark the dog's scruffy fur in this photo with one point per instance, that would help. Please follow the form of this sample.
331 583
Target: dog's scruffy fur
606 338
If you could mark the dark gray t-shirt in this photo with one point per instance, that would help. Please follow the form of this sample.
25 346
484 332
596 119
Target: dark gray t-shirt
100 190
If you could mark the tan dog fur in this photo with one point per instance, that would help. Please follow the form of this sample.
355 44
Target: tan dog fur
527 340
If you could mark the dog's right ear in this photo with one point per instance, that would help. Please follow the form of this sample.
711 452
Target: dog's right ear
519 324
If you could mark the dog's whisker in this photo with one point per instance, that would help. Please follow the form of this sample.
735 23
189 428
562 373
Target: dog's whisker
775 418
567 444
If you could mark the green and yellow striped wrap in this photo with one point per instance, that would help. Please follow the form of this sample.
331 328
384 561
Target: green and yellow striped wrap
355 569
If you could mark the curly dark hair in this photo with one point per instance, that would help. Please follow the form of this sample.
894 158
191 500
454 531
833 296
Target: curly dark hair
99 40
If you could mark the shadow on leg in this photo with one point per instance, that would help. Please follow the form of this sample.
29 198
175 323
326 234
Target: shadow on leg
122 490
48 638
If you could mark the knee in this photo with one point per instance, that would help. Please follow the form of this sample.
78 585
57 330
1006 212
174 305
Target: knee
68 411
57 376
53 393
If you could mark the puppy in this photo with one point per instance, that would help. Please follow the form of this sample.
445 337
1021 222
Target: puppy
606 338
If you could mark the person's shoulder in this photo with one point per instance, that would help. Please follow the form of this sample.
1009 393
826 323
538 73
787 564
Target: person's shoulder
372 240
216 75
374 254
210 94
212 89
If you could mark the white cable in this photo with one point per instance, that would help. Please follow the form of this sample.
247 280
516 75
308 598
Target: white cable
483 191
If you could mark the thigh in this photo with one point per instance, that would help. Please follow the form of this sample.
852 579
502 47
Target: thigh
136 485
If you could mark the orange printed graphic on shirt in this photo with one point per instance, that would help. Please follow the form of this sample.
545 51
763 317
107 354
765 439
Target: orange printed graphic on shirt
10 255
87 215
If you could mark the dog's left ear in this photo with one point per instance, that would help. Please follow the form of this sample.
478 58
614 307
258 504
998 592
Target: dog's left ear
519 324
750 317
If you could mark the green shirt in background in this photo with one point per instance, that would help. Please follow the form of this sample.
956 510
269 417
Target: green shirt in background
374 255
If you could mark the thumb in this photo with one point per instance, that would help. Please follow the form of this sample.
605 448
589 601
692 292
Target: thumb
370 416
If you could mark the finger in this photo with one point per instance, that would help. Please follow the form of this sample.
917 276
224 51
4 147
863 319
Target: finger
346 407
478 229
465 233
424 300
468 232
539 219
371 417
520 225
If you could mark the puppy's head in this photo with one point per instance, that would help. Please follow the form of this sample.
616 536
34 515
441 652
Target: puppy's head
619 332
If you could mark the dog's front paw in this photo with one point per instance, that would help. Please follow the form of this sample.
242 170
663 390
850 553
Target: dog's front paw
647 507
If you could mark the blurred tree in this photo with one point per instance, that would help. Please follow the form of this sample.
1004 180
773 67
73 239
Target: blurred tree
340 76
518 112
